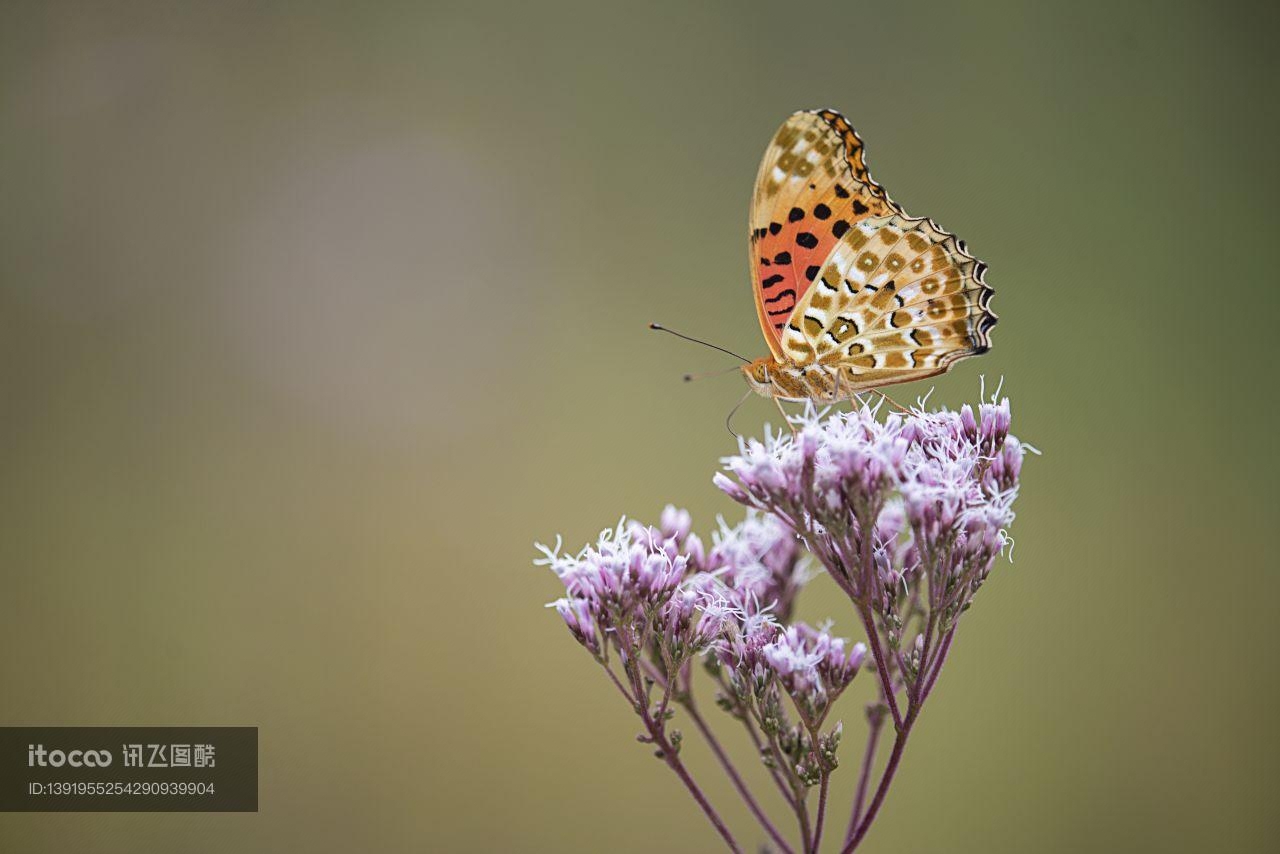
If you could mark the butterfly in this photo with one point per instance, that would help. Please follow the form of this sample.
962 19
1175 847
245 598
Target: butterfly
851 292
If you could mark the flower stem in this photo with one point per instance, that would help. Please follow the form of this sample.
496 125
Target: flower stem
894 758
886 779
822 810
864 776
798 796
939 659
657 732
916 690
746 718
924 684
669 755
882 666
630 700
732 771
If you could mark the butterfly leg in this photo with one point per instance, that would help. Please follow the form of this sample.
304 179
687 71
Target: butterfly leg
785 420
891 401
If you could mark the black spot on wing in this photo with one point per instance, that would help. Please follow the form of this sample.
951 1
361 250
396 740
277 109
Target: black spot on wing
782 258
783 294
859 208
893 287
772 280
822 211
811 273
840 228
796 215
807 240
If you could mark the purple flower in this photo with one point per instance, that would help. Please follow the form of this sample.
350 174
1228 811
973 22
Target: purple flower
812 666
959 500
759 561
742 652
638 585
696 618
934 491
675 523
673 535
620 582
581 619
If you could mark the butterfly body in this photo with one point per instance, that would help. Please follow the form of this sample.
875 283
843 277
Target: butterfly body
851 292
821 383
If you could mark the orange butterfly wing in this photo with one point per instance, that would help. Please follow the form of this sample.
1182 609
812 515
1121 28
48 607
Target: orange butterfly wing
812 187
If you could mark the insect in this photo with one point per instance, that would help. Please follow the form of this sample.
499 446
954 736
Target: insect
851 292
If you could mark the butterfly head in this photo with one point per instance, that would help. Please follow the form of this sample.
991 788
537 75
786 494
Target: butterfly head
760 375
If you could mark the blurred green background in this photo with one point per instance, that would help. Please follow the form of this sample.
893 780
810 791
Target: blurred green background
313 317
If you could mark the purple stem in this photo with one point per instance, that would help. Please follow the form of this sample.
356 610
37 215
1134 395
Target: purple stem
734 776
867 526
759 745
657 732
798 799
822 808
882 666
939 660
864 777
630 700
894 758
783 788
669 755
916 690
899 743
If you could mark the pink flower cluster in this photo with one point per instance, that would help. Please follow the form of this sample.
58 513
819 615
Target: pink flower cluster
907 513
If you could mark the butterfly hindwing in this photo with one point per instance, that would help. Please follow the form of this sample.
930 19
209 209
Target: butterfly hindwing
812 188
897 299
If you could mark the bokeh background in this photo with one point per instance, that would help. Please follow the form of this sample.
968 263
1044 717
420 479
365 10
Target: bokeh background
313 317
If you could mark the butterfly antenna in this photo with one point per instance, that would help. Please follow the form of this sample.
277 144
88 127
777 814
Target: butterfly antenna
728 420
661 328
707 374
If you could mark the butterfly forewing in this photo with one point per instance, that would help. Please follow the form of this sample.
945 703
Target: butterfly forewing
812 188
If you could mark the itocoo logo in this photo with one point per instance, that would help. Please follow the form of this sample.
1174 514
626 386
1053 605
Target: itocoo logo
38 756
